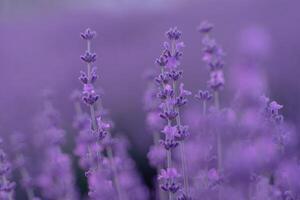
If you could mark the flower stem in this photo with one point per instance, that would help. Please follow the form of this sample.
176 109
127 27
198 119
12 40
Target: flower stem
219 138
95 127
204 107
169 165
219 144
114 170
159 193
182 153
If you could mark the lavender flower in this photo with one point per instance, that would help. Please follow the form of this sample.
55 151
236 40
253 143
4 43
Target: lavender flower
205 27
88 34
203 95
109 170
88 57
169 180
172 99
213 57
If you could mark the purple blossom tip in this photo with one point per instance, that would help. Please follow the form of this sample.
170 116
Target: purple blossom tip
203 95
161 61
173 34
168 178
88 34
89 96
88 57
205 27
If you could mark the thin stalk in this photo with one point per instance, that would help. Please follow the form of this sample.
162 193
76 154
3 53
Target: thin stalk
159 193
219 143
114 170
169 165
169 162
182 153
204 107
219 138
95 127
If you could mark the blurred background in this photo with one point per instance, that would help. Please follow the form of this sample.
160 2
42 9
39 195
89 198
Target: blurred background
40 48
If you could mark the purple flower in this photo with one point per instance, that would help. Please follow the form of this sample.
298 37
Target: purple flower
88 57
89 96
181 99
83 77
169 180
88 34
205 27
163 78
165 92
203 95
162 61
217 80
275 107
175 74
182 132
173 34
170 141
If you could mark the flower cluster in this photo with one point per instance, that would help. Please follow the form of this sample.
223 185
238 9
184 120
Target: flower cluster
213 57
172 96
244 150
108 168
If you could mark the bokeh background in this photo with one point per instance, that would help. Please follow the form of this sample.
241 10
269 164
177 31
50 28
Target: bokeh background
40 48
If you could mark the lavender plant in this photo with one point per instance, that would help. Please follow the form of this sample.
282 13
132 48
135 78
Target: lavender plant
100 154
240 148
173 97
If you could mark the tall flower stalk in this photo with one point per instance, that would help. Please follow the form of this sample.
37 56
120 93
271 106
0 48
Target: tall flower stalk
99 128
172 99
213 57
156 154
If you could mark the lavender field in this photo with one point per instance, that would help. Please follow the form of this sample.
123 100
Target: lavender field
149 100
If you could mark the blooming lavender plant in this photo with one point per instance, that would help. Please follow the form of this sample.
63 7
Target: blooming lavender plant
213 57
102 156
172 99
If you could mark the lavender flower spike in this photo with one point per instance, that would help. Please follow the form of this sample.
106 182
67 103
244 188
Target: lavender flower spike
172 98
99 128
